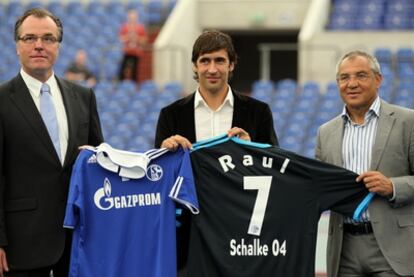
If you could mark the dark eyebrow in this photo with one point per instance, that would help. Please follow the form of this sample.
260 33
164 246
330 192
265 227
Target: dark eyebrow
203 59
44 35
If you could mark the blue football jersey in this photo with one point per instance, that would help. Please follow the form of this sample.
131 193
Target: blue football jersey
124 226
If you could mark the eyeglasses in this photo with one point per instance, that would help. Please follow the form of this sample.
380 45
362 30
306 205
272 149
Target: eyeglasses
360 76
31 39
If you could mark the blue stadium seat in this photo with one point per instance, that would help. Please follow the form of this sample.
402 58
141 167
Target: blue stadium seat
372 6
117 141
286 89
14 9
369 21
311 90
404 95
263 90
155 11
405 54
345 6
288 84
263 85
405 71
116 8
33 4
96 9
75 8
383 55
342 22
291 143
400 6
140 143
149 86
397 21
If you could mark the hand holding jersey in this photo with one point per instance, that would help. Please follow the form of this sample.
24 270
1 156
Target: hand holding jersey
376 182
173 142
3 262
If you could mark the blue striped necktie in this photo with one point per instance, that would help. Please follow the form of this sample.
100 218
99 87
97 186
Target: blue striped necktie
47 110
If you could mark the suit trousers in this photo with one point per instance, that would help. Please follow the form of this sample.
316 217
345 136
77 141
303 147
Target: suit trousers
362 257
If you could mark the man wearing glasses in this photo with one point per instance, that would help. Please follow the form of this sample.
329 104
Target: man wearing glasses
376 140
43 121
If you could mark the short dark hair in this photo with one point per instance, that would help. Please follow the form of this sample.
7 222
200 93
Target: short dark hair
211 41
38 13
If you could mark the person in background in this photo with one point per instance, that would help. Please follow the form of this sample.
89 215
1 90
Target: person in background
78 70
134 39
43 121
213 109
376 140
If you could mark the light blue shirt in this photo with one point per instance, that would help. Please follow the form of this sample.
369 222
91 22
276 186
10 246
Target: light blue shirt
358 141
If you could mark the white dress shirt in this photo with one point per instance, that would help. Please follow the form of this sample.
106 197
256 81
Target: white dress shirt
209 123
34 86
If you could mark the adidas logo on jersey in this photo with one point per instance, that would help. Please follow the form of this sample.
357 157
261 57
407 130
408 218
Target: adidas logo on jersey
92 159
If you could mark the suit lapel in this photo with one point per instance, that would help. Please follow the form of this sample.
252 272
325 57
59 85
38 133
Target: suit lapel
385 123
24 102
240 111
336 138
69 101
187 118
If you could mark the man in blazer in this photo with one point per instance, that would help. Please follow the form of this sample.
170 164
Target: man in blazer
212 110
34 172
376 140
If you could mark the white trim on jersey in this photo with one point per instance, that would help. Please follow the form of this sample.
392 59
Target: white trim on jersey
155 153
127 164
174 194
177 186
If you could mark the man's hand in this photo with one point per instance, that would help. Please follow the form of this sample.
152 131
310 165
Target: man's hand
3 262
173 142
376 182
238 132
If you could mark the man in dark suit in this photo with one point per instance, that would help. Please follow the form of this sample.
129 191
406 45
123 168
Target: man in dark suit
35 162
212 110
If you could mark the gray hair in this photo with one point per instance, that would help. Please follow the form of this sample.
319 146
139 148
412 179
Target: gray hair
373 62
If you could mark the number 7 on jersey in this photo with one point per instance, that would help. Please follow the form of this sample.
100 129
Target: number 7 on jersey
262 185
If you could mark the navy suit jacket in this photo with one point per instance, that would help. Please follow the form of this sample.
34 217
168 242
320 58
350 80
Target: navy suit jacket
34 184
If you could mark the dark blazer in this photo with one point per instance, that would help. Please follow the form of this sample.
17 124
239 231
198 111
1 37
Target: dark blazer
34 184
250 114
177 118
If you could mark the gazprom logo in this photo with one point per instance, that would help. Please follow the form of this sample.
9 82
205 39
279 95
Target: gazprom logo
104 201
104 194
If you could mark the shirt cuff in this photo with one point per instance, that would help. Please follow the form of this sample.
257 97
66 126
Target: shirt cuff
392 199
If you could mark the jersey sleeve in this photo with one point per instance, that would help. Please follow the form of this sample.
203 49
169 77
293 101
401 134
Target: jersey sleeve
72 205
183 190
339 191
